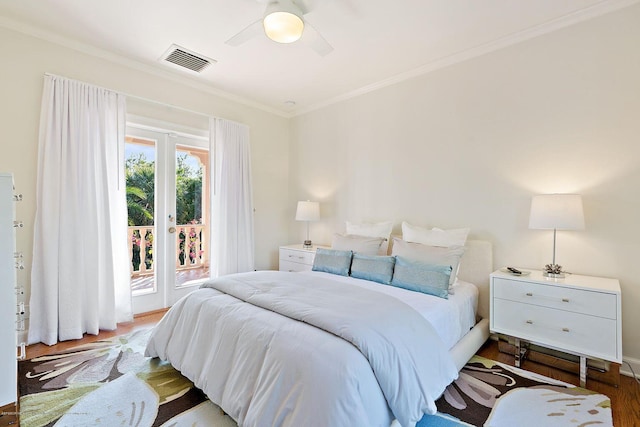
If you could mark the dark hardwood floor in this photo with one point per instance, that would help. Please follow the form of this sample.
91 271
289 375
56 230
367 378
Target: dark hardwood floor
625 399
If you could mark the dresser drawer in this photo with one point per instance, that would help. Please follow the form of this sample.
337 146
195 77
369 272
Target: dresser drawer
582 301
573 332
294 266
292 255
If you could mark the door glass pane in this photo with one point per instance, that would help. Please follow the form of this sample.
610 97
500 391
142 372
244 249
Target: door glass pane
140 167
192 205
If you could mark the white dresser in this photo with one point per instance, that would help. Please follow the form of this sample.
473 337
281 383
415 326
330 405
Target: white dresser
580 315
297 257
10 261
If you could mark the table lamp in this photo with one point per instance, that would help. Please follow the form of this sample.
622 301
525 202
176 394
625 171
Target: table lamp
556 212
308 211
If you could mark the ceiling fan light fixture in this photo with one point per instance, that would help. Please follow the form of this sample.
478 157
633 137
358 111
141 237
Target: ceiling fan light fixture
283 22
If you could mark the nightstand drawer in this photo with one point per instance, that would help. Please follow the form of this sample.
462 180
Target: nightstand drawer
560 297
294 266
301 257
574 332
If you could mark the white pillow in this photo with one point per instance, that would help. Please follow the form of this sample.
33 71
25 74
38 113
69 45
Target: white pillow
358 244
435 236
435 255
379 229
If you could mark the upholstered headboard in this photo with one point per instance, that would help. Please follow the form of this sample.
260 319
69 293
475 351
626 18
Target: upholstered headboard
475 267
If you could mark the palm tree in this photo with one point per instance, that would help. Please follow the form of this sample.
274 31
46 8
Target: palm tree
140 181
137 206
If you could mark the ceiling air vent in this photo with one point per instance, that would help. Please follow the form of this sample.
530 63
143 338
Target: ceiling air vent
184 58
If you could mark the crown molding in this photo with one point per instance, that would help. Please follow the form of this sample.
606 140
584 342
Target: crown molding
594 11
153 69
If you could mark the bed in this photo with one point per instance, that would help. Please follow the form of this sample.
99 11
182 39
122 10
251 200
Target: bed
312 348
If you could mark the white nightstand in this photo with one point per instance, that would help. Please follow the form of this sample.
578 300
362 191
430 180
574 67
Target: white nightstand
297 258
580 315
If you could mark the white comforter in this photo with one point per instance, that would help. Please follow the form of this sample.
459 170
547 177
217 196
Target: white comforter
305 352
452 318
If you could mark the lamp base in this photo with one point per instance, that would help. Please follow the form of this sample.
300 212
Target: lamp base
553 270
307 244
553 275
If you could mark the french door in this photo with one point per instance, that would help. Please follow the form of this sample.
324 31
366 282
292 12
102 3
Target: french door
167 176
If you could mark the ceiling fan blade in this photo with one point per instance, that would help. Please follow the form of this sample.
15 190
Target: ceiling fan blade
305 6
318 43
253 30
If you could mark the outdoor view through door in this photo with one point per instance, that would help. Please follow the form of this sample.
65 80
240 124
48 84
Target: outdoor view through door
192 260
167 192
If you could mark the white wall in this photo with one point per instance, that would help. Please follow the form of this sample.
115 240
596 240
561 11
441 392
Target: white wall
26 59
463 146
469 145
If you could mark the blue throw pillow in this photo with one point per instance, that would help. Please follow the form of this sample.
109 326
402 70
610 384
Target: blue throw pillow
332 261
375 268
421 277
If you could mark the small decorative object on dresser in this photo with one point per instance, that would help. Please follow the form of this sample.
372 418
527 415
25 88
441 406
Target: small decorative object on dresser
297 257
580 315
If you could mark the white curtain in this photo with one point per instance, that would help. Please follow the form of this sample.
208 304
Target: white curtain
80 274
232 243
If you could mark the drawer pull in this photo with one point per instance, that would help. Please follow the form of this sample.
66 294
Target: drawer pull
530 322
565 329
530 294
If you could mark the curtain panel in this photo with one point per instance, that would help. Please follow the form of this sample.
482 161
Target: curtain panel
80 276
232 239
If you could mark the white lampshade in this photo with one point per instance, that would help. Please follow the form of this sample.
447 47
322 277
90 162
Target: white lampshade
308 211
556 212
283 21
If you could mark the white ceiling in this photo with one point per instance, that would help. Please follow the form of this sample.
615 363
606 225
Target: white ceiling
375 42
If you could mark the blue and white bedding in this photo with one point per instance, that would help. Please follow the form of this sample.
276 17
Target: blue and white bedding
452 318
292 349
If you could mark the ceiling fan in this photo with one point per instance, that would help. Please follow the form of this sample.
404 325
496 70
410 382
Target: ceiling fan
283 22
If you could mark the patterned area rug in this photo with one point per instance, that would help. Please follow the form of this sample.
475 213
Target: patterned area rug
492 394
110 383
